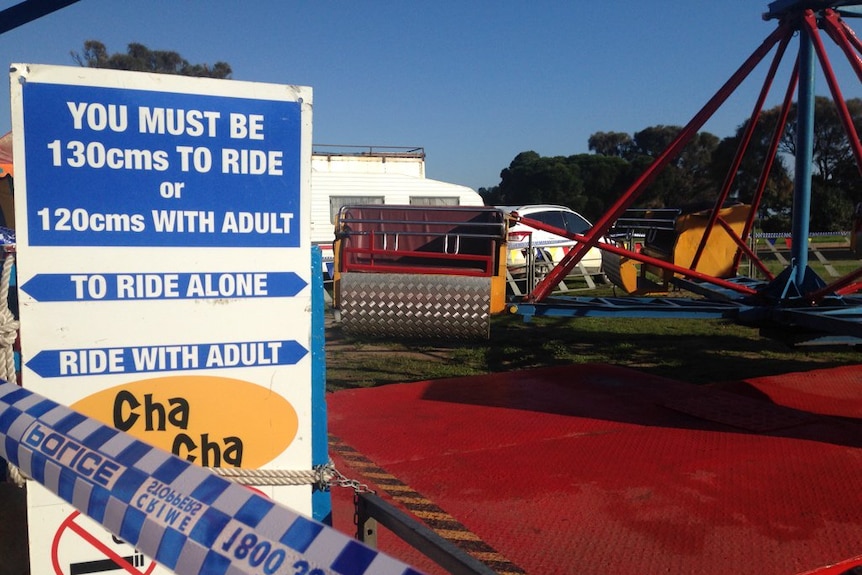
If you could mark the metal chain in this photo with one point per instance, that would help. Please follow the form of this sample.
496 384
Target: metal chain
340 480
358 530
337 478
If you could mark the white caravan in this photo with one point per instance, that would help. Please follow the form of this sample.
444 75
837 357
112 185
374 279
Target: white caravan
343 176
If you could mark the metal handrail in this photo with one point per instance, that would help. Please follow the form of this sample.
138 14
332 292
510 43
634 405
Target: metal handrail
432 246
349 233
498 229
371 509
485 261
642 218
372 151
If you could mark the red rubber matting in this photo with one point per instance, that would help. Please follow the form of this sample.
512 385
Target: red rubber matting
598 469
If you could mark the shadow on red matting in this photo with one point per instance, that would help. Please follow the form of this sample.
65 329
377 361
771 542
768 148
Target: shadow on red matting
597 469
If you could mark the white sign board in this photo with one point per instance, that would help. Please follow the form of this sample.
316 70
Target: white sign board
162 227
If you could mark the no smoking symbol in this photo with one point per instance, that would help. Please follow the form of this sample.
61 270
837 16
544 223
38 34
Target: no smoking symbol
80 549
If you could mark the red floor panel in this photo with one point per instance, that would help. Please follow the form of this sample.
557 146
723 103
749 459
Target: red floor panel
826 391
596 469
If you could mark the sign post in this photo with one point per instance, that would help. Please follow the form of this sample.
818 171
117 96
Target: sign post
162 227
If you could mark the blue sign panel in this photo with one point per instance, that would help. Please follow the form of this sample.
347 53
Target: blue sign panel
153 358
111 167
162 286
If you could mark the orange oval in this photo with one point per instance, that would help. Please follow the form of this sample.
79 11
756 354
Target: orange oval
217 421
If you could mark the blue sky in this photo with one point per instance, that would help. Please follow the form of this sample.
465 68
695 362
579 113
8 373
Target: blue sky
474 83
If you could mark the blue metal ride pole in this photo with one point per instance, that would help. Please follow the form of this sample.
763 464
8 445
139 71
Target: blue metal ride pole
804 155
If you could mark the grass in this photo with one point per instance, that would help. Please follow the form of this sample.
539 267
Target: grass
695 351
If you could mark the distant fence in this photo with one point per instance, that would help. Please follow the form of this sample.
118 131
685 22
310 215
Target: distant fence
812 246
776 235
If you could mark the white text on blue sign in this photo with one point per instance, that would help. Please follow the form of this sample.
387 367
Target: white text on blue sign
140 168
137 286
156 358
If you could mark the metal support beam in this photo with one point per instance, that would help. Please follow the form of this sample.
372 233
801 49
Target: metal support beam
745 140
665 265
29 10
804 154
781 8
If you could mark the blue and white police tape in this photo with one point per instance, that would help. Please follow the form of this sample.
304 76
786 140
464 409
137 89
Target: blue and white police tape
517 245
183 516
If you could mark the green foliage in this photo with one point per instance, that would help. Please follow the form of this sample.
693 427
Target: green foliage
654 140
616 144
534 179
831 208
139 58
591 183
603 178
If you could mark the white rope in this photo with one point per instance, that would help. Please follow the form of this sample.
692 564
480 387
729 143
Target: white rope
8 324
8 334
320 475
15 476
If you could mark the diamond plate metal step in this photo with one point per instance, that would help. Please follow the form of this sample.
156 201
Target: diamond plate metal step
416 306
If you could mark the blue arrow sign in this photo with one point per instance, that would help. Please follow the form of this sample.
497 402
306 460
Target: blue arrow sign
155 358
162 286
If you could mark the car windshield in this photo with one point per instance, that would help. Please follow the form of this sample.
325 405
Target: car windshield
552 218
569 221
575 223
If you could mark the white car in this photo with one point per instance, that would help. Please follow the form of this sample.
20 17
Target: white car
548 247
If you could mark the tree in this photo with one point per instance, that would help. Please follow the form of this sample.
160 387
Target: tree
687 177
652 141
590 183
139 58
832 149
604 180
778 193
835 182
534 179
617 144
831 208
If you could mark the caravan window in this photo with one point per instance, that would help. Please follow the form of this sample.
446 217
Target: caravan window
434 201
335 203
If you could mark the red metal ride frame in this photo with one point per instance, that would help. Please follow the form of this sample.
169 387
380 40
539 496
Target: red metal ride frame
601 227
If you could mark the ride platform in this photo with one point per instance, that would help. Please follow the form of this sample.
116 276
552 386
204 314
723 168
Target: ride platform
595 469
